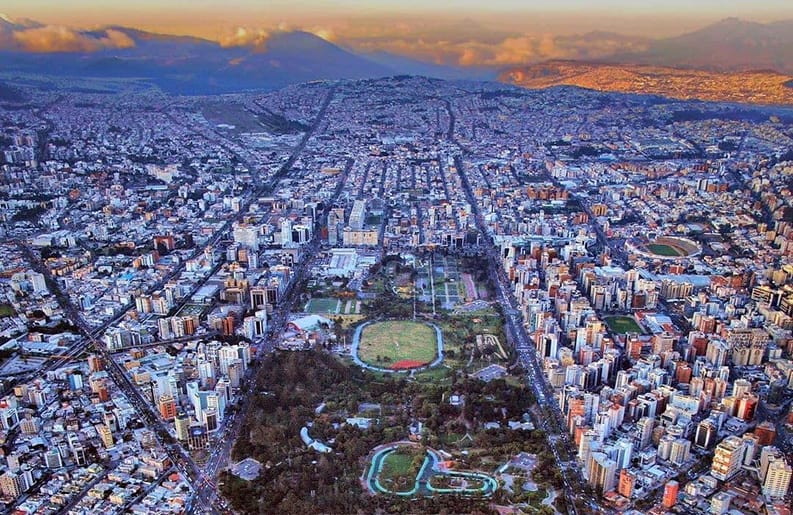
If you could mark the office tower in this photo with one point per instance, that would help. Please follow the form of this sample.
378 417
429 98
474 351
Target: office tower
680 451
665 447
644 434
182 426
746 406
706 434
741 386
602 472
52 459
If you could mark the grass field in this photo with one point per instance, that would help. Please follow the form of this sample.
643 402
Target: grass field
323 306
330 306
6 310
664 250
623 325
400 469
397 341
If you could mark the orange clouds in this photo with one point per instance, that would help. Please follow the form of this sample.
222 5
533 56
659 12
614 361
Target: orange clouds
504 51
52 38
245 36
456 43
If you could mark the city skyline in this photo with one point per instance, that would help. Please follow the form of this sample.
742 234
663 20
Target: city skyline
365 257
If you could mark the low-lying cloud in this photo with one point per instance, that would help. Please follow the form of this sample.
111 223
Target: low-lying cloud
245 37
54 38
463 43
511 50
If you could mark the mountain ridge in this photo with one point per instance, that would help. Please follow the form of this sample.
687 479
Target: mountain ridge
190 65
759 87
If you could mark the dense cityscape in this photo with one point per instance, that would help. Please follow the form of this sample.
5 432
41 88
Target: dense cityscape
410 294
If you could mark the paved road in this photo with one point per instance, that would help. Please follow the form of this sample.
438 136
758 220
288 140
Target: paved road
201 481
553 424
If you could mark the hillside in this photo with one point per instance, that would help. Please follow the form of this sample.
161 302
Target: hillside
757 87
729 45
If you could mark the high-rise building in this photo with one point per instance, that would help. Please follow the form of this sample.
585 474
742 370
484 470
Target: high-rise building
235 373
197 438
167 406
182 426
746 406
258 297
644 428
665 447
106 435
95 363
602 472
79 455
766 433
29 425
52 459
706 434
358 215
777 478
626 483
680 451
727 458
767 455
10 485
585 446
671 489
720 503
624 450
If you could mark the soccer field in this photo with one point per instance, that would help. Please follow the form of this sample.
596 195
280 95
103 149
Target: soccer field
623 325
661 249
322 306
398 344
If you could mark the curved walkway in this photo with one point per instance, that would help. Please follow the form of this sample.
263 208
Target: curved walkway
356 341
429 469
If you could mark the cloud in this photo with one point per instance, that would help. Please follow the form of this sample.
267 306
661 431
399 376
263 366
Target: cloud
483 47
54 38
246 37
464 43
328 34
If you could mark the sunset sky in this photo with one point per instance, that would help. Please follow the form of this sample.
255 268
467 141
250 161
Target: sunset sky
462 32
208 18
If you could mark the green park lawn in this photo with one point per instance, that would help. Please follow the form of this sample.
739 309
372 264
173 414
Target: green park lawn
400 469
6 310
397 341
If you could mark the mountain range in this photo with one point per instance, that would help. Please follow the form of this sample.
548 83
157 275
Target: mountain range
190 65
729 45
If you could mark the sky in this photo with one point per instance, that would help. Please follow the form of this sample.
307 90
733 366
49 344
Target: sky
207 17
459 32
